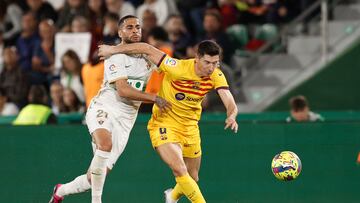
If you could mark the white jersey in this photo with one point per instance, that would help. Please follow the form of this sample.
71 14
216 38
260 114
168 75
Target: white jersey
110 111
136 69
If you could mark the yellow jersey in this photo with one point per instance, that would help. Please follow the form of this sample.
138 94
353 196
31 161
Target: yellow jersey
185 91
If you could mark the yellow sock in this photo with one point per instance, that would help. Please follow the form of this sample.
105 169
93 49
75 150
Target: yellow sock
176 192
190 188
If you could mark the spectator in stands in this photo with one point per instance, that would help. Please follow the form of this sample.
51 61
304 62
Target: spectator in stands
7 108
120 7
21 3
10 21
135 3
56 95
277 12
178 35
110 32
300 111
214 31
70 76
2 46
149 21
159 7
92 75
71 9
172 8
254 13
42 9
26 43
36 112
13 79
192 12
97 13
72 102
44 54
159 38
80 25
57 4
229 12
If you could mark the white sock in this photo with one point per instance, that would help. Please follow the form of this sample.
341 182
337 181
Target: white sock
98 174
78 185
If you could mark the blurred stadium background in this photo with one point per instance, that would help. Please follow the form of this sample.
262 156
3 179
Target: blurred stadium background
273 50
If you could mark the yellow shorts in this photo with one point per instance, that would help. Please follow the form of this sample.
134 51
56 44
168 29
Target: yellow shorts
187 137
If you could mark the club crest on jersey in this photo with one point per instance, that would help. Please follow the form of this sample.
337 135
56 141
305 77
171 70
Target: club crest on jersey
196 85
148 64
170 62
112 67
180 96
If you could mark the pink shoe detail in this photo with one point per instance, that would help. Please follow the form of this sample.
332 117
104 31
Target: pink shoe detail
54 197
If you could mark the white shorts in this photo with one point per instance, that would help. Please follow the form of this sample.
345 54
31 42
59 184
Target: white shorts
119 126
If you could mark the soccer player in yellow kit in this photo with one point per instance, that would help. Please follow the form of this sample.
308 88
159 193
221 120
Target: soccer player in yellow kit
175 133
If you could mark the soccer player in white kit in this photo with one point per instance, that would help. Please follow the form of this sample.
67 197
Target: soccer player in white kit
112 113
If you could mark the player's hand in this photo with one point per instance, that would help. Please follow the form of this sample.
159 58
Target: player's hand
163 105
105 51
231 122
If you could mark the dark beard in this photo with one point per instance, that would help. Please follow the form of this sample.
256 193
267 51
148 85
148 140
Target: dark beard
128 41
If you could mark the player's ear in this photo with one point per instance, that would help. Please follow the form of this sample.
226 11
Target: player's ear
119 33
197 58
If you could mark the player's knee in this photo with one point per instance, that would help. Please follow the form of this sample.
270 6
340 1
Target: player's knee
88 175
195 176
179 169
105 146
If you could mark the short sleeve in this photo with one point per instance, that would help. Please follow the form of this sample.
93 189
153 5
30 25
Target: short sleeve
115 68
219 80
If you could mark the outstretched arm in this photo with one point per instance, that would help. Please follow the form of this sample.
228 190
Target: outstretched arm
126 91
231 109
154 54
